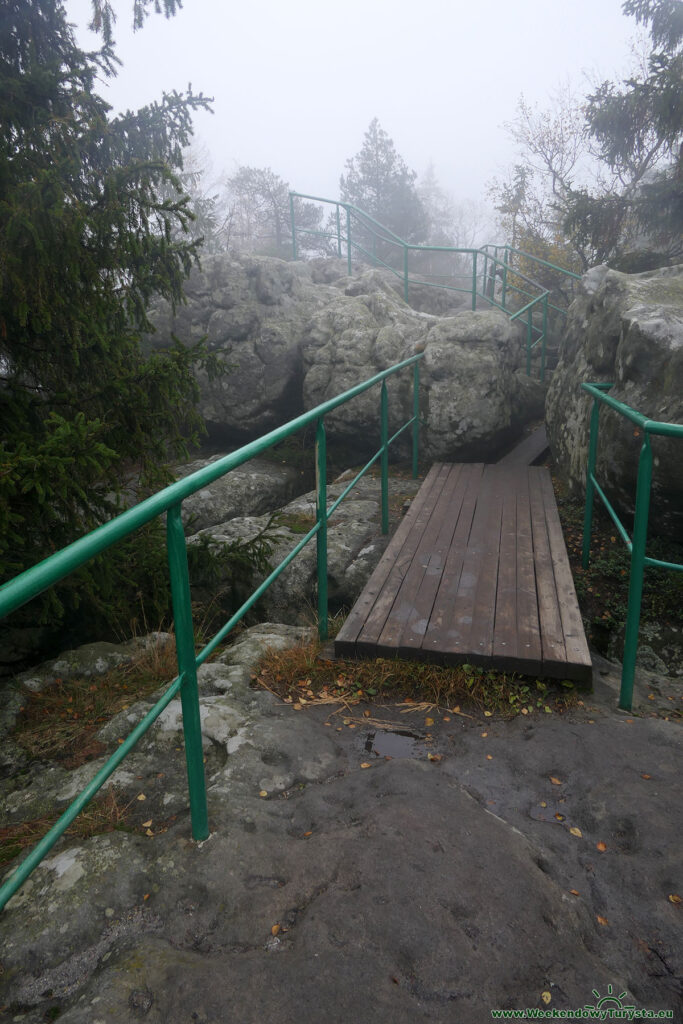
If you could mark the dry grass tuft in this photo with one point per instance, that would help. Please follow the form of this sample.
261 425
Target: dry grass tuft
61 722
105 813
300 677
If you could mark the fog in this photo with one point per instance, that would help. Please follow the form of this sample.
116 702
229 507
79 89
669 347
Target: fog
296 82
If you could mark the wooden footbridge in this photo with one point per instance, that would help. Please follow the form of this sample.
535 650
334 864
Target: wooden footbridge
477 572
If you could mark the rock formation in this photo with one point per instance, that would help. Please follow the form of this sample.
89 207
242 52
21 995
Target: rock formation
295 334
626 329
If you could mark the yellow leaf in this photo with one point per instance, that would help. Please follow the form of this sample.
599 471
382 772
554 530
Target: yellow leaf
560 817
434 757
525 711
645 776
674 897
297 706
484 735
275 929
601 847
146 824
602 920
446 718
263 792
546 997
543 803
429 721
576 832
141 796
555 781
146 896
575 892
489 757
366 764
148 832
488 714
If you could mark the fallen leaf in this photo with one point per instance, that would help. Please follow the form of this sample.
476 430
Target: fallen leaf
525 711
297 706
489 757
602 920
263 792
148 832
645 776
484 735
546 997
429 721
555 782
146 896
446 718
560 817
366 764
141 796
674 897
576 832
146 824
307 834
488 714
575 892
543 803
601 847
456 709
275 929
434 757
366 714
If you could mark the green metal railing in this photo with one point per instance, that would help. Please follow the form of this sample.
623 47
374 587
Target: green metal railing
34 581
637 544
353 233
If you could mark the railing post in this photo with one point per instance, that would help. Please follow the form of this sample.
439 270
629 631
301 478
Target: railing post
348 240
405 272
590 487
529 338
291 214
321 516
187 666
505 277
474 280
339 249
416 416
545 332
485 287
384 462
635 587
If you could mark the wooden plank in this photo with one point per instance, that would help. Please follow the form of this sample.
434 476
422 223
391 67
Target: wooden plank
505 649
484 606
388 642
447 513
414 519
444 602
576 647
457 625
552 635
527 451
528 626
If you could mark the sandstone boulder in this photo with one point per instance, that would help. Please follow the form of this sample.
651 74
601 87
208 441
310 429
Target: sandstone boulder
626 329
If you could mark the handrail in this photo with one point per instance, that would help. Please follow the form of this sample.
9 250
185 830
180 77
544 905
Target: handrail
637 544
33 581
539 305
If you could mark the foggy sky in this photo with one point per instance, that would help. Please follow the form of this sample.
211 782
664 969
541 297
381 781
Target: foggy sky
296 82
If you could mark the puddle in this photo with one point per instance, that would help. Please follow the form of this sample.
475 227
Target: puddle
384 743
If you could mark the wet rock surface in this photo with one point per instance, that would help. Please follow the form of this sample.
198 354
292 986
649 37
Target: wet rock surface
411 889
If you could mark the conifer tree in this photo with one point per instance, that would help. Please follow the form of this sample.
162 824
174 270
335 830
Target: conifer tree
86 238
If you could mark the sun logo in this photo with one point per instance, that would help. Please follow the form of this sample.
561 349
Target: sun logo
608 1002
